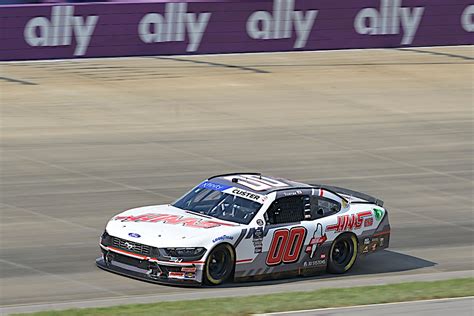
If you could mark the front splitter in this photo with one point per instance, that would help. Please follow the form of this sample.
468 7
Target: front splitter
135 273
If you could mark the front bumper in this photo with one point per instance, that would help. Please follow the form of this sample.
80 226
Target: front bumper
147 270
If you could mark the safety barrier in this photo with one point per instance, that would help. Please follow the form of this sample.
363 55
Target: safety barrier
51 31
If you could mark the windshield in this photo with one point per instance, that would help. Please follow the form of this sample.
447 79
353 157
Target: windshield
219 204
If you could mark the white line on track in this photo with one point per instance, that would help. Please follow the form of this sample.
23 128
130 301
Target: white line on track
381 176
50 217
190 153
433 219
70 280
407 164
87 175
329 309
381 157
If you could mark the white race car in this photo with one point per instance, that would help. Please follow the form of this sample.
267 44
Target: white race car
240 226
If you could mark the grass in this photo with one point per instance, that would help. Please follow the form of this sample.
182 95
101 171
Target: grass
289 301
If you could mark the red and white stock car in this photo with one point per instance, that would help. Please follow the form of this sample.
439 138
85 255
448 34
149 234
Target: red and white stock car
239 226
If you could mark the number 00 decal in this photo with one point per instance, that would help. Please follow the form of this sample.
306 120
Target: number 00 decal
286 245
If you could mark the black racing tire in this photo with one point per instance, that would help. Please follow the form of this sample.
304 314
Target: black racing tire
219 266
343 254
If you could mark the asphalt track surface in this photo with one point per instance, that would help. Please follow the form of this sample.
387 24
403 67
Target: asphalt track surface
455 306
83 140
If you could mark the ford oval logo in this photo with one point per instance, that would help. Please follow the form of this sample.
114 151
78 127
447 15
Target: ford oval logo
134 235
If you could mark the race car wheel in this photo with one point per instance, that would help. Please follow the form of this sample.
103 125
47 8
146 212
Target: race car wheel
343 254
219 265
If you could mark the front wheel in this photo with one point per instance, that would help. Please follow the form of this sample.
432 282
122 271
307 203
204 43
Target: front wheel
343 254
219 265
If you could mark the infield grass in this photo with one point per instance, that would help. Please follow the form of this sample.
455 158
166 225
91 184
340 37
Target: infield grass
332 297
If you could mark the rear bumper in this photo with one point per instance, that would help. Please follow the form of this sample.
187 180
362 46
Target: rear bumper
147 271
377 240
374 243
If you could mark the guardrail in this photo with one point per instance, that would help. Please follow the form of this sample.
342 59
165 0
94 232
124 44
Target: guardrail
51 31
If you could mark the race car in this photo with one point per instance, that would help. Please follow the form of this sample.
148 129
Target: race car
245 225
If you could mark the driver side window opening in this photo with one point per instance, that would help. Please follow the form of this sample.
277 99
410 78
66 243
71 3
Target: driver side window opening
322 207
288 209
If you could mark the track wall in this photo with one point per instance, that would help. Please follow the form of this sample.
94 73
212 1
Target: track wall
51 31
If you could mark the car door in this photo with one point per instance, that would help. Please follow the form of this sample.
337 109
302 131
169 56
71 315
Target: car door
323 212
287 224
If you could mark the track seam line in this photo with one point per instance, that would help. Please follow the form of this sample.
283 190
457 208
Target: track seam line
440 196
367 305
209 63
381 157
24 82
60 277
390 175
432 219
228 164
50 217
434 53
56 166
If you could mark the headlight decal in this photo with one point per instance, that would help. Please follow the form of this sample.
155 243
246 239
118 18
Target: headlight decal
176 254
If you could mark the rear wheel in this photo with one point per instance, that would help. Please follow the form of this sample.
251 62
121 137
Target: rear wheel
219 265
343 254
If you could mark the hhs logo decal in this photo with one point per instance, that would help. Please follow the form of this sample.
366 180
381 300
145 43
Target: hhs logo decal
352 221
172 220
60 30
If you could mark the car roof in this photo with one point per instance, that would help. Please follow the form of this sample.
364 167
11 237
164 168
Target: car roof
244 181
257 183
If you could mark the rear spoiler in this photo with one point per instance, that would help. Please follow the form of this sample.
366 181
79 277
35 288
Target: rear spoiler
356 194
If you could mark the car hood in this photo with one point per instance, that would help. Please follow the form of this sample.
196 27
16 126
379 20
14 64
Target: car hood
167 226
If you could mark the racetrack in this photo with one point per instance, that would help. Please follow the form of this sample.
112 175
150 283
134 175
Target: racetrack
83 140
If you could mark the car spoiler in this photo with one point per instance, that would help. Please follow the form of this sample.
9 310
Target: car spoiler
353 193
